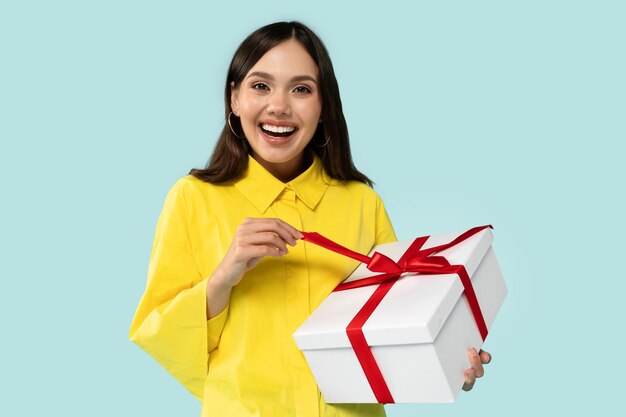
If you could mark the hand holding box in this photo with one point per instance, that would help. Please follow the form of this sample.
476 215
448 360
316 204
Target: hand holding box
402 335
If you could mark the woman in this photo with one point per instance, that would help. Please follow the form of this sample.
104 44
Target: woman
228 281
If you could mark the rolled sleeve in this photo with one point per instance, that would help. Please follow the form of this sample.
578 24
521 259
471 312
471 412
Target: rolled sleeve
214 329
170 323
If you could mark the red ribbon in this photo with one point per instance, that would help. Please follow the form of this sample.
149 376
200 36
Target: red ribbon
415 260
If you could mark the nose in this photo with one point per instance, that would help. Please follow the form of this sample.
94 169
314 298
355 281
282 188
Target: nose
278 104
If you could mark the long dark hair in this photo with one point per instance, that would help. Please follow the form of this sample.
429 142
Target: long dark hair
330 141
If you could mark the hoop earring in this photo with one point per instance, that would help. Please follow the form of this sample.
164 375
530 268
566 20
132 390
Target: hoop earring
325 143
231 127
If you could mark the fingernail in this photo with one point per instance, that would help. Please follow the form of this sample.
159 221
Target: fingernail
467 386
473 352
299 235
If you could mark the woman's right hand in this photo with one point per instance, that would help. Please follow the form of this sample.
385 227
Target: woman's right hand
254 239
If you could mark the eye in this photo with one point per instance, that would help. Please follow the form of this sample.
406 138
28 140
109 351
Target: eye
302 89
260 86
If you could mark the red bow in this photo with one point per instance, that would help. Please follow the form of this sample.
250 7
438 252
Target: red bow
415 260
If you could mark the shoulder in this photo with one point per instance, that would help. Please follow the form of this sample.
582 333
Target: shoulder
191 195
372 207
355 190
190 188
189 183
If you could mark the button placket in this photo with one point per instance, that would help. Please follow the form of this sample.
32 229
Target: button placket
298 308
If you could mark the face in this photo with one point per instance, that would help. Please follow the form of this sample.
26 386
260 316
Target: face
279 104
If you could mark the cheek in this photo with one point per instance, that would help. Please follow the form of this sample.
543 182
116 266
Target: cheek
310 112
249 105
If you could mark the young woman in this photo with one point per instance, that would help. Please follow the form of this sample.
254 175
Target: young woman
229 281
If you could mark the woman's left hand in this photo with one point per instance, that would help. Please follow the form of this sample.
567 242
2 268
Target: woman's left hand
477 360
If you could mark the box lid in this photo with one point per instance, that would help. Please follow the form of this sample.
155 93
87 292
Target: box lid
413 311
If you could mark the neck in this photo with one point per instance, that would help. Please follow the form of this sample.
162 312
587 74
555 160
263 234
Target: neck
286 171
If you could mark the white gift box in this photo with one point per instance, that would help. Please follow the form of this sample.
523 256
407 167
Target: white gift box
419 334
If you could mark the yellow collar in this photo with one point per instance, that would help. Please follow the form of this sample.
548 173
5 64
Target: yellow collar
261 188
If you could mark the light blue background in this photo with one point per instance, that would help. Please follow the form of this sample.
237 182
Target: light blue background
464 113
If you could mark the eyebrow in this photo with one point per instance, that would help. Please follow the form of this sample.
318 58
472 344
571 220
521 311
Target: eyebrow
271 77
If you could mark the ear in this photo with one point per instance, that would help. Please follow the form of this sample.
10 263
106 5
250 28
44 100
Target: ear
234 98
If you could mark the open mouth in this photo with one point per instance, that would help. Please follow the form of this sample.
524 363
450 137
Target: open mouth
278 131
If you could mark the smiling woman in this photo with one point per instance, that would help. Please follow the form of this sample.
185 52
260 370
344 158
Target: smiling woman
263 63
229 279
279 106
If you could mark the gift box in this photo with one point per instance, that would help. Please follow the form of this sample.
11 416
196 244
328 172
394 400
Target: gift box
401 334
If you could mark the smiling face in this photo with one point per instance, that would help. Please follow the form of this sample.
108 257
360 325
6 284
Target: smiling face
279 104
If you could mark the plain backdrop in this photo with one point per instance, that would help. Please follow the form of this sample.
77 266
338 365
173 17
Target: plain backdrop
464 113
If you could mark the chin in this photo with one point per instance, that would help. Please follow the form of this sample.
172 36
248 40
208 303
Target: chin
277 157
279 153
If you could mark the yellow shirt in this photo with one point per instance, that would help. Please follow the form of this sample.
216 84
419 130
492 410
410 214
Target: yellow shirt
244 362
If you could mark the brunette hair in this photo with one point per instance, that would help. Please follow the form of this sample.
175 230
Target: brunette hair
229 160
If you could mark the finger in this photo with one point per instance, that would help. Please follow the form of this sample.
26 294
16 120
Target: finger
252 262
470 380
265 238
477 365
259 251
263 231
293 232
485 357
285 231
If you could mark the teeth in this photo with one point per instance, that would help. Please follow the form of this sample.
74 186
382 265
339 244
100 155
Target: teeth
278 129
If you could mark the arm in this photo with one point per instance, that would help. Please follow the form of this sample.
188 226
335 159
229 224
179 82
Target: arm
254 239
181 315
170 323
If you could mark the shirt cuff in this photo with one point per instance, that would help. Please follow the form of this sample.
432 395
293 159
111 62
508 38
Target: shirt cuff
215 326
